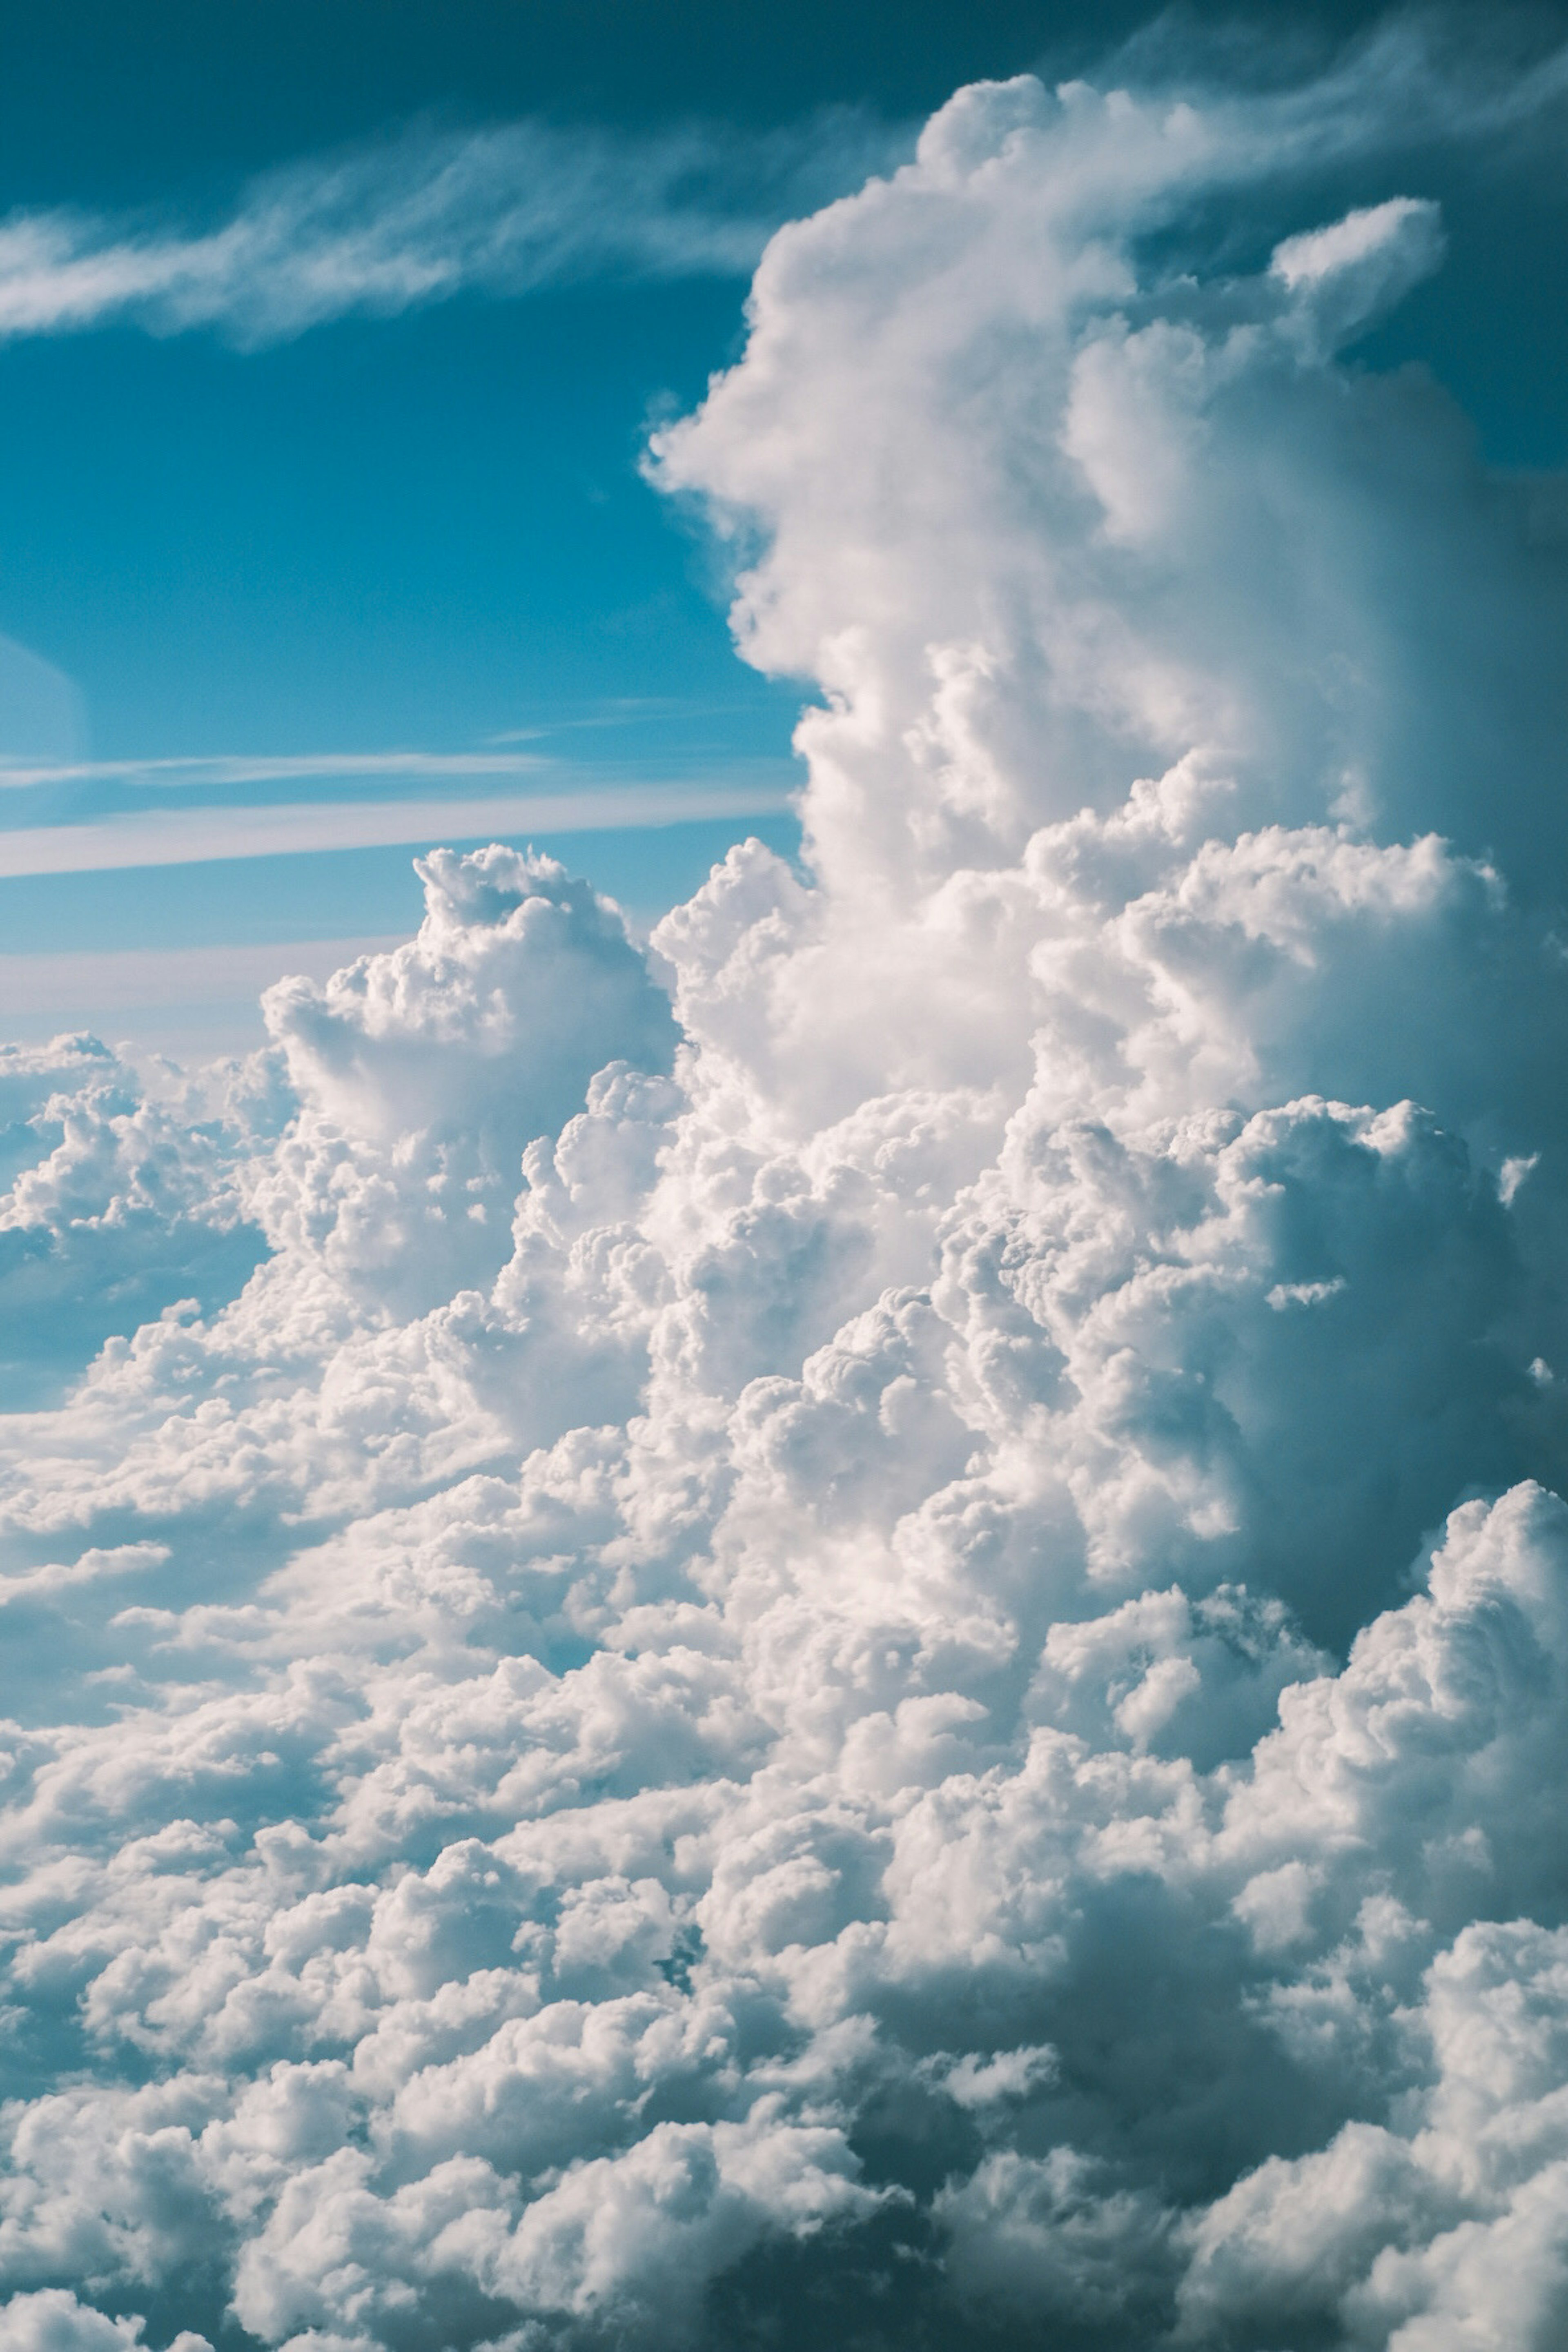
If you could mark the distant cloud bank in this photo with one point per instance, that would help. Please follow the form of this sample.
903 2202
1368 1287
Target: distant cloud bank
859 1628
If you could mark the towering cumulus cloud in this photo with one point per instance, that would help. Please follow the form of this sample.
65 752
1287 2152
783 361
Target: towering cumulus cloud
857 1632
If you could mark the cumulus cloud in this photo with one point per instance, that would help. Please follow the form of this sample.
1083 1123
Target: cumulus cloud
861 1623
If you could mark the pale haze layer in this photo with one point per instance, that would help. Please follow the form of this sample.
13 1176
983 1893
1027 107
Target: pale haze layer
916 1690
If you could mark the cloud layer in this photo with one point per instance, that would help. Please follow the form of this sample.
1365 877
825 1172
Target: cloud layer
916 1689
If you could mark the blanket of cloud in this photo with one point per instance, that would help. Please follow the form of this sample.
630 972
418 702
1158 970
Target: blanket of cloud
856 1631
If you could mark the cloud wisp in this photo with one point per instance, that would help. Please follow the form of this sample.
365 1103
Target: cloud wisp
420 218
197 773
859 1625
510 209
193 835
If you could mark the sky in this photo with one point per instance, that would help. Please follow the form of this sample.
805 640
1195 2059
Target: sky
247 524
784 1380
412 528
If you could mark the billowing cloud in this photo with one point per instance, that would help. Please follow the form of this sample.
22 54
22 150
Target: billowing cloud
861 1625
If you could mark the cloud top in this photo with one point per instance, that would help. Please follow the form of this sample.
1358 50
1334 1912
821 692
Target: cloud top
506 209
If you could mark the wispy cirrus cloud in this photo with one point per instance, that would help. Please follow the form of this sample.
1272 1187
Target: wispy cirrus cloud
422 217
188 835
221 769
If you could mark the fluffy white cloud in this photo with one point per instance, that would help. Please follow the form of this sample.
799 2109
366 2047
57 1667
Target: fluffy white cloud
868 1618
422 1072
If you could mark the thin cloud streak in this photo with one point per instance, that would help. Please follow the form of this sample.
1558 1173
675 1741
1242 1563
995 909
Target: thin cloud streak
195 836
268 768
419 219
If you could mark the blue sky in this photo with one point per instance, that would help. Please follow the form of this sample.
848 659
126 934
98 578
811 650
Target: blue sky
248 533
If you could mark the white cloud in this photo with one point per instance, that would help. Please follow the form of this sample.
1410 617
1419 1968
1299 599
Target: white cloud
417 220
53 2321
162 836
923 1678
503 211
291 767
